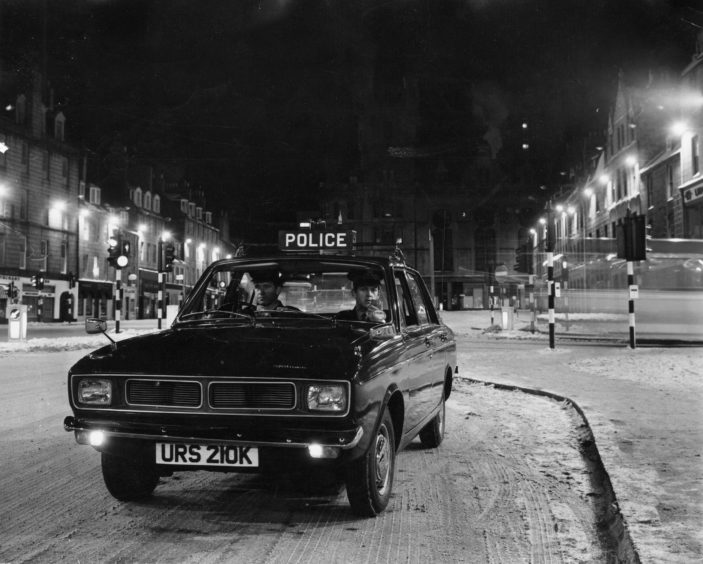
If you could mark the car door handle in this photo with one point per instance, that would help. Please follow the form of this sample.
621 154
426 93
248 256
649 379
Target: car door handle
428 341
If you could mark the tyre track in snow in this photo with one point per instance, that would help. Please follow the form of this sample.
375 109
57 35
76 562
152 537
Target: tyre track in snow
505 486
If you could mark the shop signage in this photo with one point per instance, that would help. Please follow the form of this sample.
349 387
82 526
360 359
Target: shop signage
692 194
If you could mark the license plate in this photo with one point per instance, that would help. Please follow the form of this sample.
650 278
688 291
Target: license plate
207 455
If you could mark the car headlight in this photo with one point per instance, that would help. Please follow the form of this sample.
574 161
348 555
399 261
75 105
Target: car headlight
95 391
327 397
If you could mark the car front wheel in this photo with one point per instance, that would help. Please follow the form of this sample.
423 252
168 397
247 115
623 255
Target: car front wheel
369 479
128 479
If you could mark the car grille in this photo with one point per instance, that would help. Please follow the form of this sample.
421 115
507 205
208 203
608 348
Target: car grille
250 395
166 393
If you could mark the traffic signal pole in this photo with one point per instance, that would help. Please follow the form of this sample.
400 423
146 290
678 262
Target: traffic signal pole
631 302
160 275
118 298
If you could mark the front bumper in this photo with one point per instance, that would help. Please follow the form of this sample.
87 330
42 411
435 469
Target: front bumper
345 439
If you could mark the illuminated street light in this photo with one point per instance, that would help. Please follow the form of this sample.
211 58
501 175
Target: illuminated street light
571 210
3 147
165 235
559 208
679 128
604 178
630 160
542 220
588 192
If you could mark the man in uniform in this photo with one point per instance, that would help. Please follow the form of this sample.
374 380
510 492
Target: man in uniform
268 286
366 290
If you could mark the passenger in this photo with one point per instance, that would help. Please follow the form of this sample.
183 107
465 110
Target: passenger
366 290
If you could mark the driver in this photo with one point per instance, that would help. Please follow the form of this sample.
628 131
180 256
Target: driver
366 290
267 286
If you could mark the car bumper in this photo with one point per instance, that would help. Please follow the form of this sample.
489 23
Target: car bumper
94 432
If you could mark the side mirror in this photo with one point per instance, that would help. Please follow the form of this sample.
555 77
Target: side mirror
95 326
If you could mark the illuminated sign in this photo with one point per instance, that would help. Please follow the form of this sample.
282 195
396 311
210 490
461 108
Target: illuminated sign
316 240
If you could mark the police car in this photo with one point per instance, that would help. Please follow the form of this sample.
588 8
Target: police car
274 364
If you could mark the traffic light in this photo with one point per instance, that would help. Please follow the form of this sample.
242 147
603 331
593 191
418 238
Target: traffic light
71 280
118 250
34 281
169 256
523 258
40 281
631 238
12 291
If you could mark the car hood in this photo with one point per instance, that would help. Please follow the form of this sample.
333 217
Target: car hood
234 351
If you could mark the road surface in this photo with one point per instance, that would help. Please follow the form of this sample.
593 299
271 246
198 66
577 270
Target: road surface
508 484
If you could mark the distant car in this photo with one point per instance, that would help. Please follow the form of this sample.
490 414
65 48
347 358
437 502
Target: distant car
230 388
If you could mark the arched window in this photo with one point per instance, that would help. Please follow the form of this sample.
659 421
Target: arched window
138 197
147 200
156 204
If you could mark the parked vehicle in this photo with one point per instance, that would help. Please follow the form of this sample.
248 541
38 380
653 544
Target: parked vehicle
232 387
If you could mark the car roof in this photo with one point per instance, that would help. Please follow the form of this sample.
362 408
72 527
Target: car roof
383 262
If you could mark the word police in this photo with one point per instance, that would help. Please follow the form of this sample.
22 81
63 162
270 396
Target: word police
316 240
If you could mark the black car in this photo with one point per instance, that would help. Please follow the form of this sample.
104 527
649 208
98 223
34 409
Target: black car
231 386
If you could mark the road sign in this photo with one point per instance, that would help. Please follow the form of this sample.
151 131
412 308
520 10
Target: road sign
634 292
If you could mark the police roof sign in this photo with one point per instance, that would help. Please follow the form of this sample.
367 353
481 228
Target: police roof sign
296 240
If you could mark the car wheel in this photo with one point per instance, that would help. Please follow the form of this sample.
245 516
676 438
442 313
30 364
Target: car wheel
432 434
369 479
128 479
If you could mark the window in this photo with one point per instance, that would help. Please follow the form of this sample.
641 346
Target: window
191 209
21 109
64 257
147 200
24 198
138 196
649 184
46 165
64 169
156 204
3 154
23 254
184 206
94 197
208 218
669 181
199 213
695 155
55 218
44 252
422 310
25 157
59 123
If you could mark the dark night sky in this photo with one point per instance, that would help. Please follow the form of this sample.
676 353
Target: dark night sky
258 99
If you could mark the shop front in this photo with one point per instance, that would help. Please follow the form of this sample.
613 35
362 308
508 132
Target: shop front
692 196
94 299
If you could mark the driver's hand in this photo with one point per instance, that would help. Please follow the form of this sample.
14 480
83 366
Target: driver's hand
375 314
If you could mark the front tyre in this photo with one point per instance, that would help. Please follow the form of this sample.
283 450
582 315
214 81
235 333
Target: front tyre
369 479
432 434
128 479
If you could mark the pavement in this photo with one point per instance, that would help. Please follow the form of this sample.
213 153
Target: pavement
644 407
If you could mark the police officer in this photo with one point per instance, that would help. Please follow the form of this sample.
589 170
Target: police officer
366 290
268 285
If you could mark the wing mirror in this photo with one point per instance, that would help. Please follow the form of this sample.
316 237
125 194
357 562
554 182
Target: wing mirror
93 326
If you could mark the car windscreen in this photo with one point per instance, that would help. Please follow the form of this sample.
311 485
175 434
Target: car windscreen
314 287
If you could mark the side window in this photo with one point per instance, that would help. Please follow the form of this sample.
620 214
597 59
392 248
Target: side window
419 298
404 306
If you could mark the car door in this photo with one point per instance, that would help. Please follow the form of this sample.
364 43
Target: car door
429 382
419 346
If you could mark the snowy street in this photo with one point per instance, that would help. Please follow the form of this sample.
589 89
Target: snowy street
510 463
645 408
